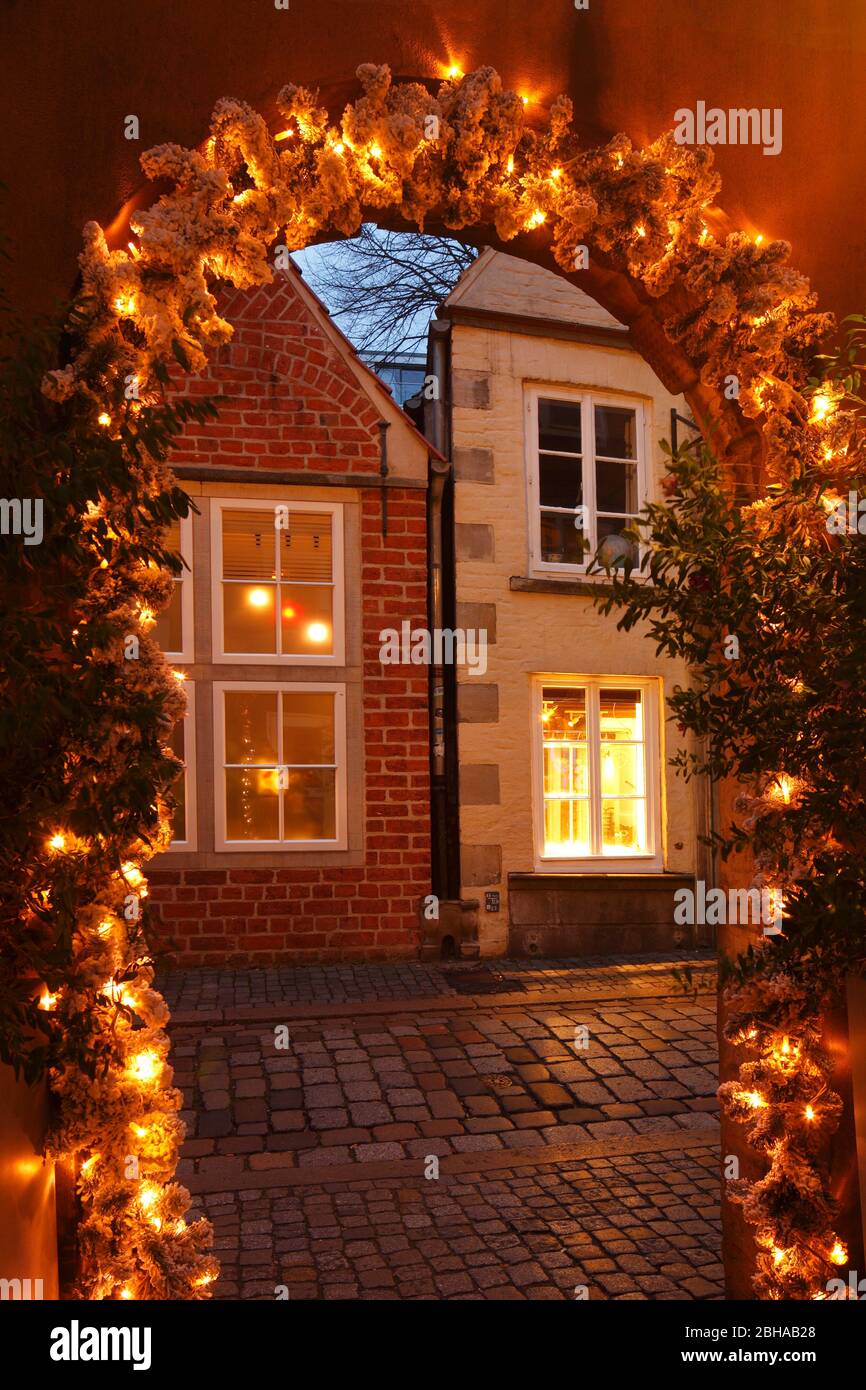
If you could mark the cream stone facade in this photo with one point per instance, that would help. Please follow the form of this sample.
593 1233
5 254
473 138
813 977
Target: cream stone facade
519 332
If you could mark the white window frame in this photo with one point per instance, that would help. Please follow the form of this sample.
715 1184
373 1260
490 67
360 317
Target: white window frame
185 579
220 656
652 861
222 843
588 397
189 774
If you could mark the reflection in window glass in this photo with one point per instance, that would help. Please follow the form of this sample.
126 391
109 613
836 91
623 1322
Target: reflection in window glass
280 765
278 582
594 778
177 744
168 628
588 482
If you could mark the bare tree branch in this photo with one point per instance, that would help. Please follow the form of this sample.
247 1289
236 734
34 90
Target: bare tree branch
382 287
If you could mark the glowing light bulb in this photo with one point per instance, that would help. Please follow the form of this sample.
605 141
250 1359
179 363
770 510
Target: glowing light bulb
89 1162
132 873
133 250
288 611
284 135
179 676
753 1099
104 419
144 1066
510 165
759 238
339 147
375 152
318 632
125 304
454 73
203 1280
146 616
778 1255
809 1113
57 841
536 219
258 598
640 229
822 406
556 173
147 1197
47 1000
126 1292
138 1130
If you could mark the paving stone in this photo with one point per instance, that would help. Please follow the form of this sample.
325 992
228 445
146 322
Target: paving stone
531 1232
550 1095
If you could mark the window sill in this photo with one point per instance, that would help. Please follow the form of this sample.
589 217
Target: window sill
580 588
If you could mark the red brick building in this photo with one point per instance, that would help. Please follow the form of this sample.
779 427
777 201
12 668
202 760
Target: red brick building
303 825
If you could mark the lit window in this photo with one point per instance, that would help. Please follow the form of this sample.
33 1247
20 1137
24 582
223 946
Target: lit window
282 751
279 582
182 744
173 627
586 471
596 741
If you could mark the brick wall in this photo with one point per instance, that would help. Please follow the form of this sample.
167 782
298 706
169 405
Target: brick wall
298 405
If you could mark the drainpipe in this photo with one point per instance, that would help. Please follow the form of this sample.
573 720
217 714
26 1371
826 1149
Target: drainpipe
384 427
436 429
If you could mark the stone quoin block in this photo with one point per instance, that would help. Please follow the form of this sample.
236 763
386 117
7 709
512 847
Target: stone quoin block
477 704
480 865
471 390
479 784
474 466
474 541
480 617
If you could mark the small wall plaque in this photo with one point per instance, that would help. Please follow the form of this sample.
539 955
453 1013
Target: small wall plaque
491 902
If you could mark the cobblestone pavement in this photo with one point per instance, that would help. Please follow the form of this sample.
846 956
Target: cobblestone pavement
348 1148
211 989
631 1227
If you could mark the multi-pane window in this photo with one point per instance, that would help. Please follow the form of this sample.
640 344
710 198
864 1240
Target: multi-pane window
278 578
596 770
585 475
173 627
281 751
182 744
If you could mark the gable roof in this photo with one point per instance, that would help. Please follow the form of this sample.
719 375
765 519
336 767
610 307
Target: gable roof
375 389
507 285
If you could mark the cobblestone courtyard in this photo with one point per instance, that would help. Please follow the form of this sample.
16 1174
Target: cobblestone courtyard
517 1130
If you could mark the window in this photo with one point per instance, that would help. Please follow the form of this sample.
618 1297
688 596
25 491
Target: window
597 771
278 582
586 476
281 759
182 744
173 629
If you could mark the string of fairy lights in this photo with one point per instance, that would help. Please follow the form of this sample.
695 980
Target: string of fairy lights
465 151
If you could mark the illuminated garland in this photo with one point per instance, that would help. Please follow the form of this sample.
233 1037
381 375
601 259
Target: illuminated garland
466 155
784 1097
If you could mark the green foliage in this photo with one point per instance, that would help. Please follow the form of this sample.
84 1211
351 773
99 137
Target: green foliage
790 704
83 732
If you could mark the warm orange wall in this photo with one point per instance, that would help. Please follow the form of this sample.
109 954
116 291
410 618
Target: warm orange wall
72 72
